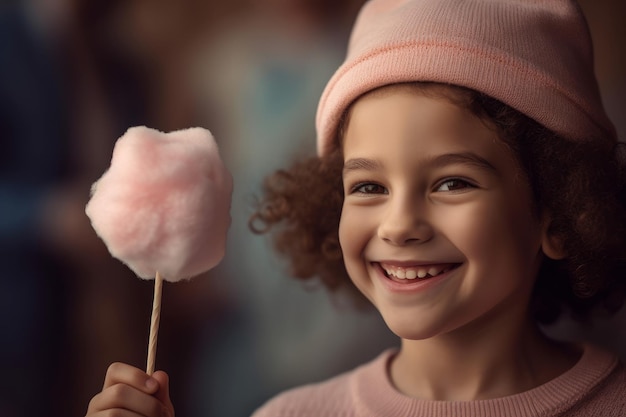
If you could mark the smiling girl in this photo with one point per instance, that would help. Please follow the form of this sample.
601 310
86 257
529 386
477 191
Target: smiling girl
469 185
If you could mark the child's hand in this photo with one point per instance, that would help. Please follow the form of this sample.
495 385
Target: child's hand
130 392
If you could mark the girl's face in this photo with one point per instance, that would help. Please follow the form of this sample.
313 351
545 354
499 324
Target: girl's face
437 228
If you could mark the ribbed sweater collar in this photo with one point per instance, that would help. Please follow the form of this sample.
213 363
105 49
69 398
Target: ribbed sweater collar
375 395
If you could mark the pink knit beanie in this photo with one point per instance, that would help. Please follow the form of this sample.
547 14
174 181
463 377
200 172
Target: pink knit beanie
534 55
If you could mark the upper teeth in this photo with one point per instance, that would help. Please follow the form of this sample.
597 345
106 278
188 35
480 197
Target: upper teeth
414 272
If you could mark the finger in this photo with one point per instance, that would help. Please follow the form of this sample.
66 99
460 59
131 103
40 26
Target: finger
123 397
116 412
121 373
163 394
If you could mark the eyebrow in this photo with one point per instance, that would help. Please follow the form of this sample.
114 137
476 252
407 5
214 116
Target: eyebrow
360 164
466 158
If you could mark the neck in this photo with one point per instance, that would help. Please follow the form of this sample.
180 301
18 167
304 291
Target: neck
470 364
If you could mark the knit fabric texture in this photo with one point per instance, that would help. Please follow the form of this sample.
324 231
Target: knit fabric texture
534 55
595 386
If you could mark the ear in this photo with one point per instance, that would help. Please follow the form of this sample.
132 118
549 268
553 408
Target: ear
551 242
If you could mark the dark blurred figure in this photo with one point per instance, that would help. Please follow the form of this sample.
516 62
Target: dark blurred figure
33 161
57 130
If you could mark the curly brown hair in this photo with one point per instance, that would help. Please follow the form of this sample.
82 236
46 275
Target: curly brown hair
581 184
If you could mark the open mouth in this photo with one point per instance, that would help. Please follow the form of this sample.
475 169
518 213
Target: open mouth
420 272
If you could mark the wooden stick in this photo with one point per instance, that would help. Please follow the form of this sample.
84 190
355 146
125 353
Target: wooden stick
154 324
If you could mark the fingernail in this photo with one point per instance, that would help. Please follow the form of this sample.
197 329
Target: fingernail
152 384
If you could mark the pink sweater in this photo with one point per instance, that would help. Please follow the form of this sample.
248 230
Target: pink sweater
595 386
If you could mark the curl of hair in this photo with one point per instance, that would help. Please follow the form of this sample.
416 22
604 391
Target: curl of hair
301 207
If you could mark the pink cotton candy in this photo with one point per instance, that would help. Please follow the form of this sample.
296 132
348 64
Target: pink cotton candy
164 203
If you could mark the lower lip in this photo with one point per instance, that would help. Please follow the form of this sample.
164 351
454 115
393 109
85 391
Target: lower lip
413 285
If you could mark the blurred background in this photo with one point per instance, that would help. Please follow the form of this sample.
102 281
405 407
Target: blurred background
74 75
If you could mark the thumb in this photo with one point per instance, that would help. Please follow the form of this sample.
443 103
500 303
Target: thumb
163 394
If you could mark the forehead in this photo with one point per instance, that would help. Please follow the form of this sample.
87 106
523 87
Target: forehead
414 111
460 96
406 128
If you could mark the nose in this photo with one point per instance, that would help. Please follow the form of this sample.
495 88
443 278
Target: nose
405 222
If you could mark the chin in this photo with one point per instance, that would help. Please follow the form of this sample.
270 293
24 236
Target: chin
411 329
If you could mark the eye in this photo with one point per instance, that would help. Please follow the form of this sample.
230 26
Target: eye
368 188
453 184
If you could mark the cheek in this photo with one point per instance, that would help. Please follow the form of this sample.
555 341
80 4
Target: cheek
346 231
469 227
354 235
496 232
353 239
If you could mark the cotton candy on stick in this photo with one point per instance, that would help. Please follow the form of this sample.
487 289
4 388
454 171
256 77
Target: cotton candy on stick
163 208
